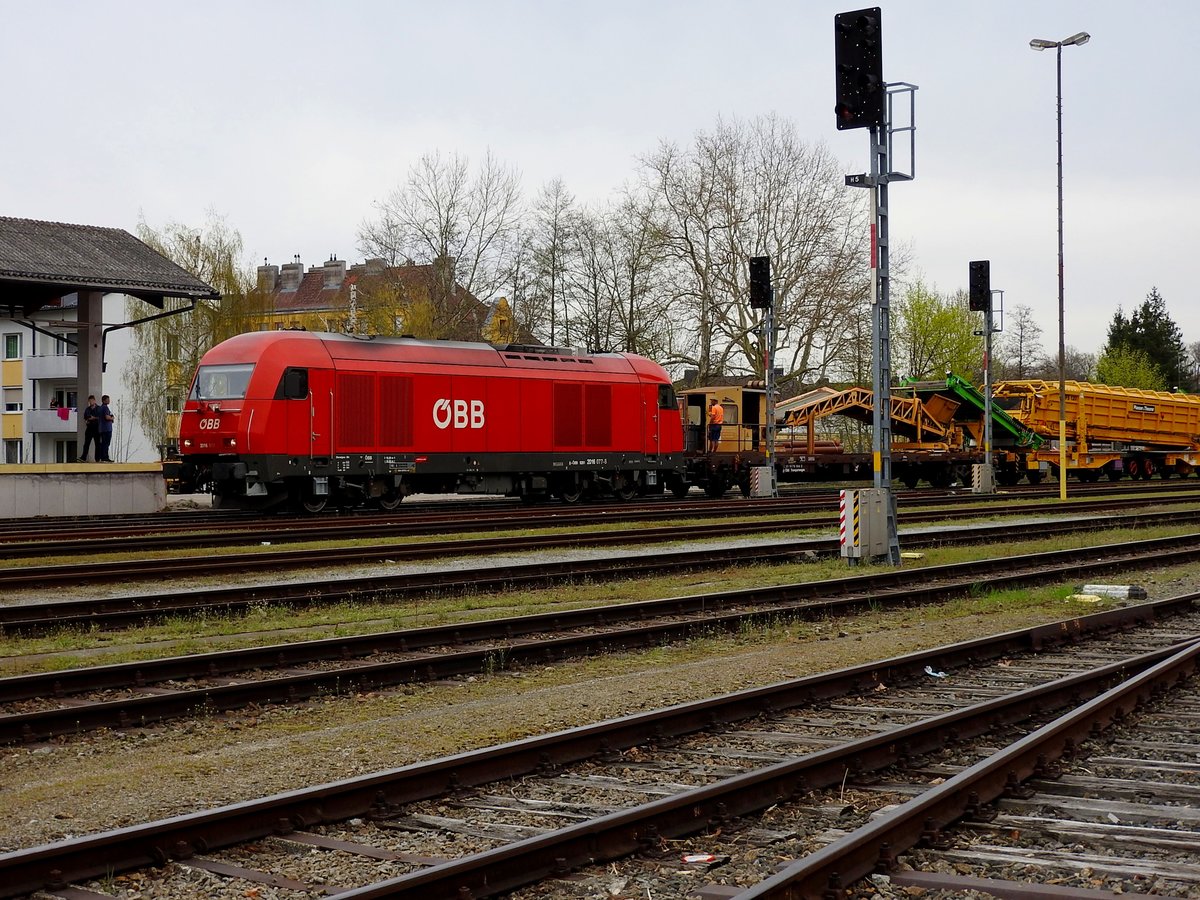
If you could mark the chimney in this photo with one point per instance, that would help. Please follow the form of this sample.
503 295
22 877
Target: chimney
335 274
268 278
290 275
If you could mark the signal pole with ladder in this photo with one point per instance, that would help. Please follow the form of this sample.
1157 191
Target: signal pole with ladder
864 100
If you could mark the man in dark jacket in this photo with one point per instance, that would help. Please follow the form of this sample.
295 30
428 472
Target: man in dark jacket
106 427
91 428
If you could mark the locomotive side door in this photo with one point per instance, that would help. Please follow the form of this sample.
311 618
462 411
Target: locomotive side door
320 412
309 412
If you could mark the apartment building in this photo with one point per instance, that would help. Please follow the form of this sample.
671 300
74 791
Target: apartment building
38 377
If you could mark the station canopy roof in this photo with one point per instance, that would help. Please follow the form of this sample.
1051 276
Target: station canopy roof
42 261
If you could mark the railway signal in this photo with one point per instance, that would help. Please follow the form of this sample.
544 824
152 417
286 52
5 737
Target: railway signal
858 61
980 295
865 100
761 294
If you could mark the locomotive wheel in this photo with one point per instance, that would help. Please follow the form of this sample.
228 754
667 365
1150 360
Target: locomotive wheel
571 494
625 486
716 487
680 489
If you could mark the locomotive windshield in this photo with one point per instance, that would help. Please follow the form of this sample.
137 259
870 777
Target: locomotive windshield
222 382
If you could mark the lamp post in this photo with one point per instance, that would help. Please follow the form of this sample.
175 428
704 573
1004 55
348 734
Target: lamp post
1038 44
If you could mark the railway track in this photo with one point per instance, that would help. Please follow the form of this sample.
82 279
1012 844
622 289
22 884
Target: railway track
372 546
799 789
41 706
125 610
198 528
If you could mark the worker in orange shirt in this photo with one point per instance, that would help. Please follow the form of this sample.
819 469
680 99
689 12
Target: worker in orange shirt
716 418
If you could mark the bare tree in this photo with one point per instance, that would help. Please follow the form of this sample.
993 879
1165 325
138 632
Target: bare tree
462 223
1021 346
750 189
1077 366
616 294
554 220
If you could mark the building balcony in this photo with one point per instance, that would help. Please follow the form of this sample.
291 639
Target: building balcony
50 366
50 421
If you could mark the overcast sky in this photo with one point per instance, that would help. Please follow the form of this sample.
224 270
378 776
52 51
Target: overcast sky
292 119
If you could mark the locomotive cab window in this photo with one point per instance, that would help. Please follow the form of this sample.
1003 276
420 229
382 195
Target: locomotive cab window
222 382
293 385
666 397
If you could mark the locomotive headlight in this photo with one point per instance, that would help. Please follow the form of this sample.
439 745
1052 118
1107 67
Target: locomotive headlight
231 442
187 442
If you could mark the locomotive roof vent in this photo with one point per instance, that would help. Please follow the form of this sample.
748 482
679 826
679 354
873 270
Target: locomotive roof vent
537 348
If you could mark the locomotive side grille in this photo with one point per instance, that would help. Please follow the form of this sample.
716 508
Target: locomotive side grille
568 415
355 410
598 403
395 411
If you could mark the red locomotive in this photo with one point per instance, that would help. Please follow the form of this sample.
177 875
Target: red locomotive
303 419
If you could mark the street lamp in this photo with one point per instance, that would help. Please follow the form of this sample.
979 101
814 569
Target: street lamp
1038 44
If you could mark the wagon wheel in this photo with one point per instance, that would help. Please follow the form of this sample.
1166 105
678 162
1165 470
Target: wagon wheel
716 487
313 504
680 489
1147 469
390 501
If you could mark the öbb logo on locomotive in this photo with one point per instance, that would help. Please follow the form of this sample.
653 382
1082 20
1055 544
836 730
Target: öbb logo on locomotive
458 413
212 424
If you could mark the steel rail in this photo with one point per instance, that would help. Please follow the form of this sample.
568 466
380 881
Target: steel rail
32 576
54 865
241 530
492 872
29 618
106 527
515 641
875 846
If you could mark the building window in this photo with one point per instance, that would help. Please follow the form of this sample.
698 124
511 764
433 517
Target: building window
14 400
173 346
66 451
172 403
12 346
64 347
14 451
